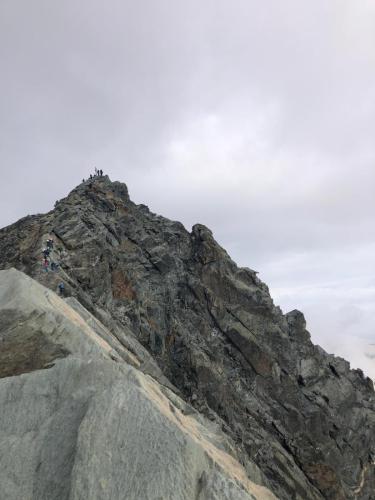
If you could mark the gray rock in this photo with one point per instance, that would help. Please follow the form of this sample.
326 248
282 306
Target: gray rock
298 416
92 426
100 430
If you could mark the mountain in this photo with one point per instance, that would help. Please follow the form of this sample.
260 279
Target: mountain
160 320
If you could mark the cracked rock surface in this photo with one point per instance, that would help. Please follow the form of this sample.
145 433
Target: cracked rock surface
173 307
80 420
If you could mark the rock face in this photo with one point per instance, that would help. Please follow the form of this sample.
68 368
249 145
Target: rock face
174 306
81 423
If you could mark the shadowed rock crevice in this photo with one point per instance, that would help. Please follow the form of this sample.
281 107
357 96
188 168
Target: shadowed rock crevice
26 355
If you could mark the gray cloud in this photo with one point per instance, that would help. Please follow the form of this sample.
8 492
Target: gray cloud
255 118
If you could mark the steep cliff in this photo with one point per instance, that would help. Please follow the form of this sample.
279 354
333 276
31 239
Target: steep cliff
301 420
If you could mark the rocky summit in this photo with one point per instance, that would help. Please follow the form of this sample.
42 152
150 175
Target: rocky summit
138 362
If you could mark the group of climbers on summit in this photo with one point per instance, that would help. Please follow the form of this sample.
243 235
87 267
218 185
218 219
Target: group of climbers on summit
98 173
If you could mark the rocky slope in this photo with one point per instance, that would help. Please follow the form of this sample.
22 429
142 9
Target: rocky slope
176 307
79 422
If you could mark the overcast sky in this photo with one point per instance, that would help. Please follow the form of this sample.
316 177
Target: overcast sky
255 118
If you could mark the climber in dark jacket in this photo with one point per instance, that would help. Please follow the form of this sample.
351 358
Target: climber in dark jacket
61 288
54 266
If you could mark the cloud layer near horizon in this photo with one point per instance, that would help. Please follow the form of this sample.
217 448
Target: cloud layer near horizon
254 118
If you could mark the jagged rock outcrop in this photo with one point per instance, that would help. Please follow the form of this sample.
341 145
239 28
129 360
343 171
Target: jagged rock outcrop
211 333
78 421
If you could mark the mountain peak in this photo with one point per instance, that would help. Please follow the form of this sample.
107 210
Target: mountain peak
301 421
97 187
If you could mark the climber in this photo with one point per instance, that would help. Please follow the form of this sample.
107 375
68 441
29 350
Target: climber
50 244
46 252
96 171
61 288
45 265
54 266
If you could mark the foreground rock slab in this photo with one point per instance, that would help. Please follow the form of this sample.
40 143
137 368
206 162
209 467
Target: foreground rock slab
82 423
